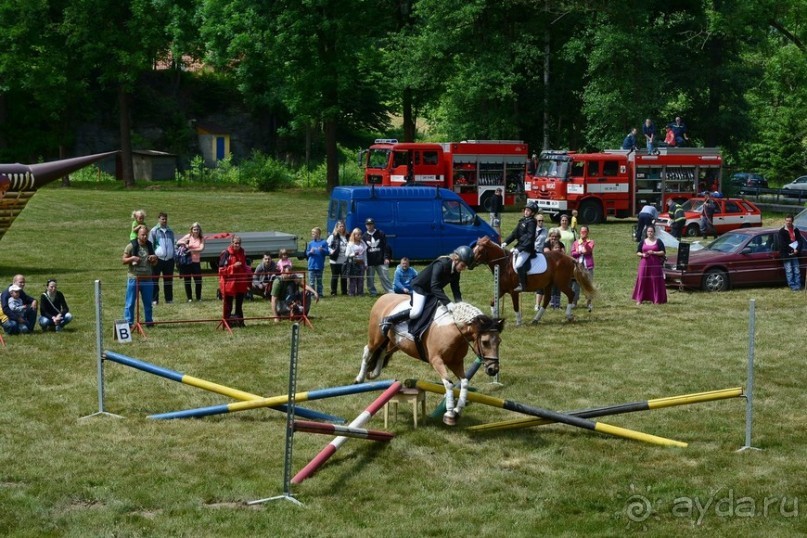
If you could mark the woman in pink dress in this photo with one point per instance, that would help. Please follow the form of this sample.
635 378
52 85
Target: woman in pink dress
650 279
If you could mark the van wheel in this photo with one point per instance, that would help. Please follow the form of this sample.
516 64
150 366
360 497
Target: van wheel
693 230
590 212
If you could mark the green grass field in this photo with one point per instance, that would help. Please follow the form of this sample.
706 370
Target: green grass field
62 475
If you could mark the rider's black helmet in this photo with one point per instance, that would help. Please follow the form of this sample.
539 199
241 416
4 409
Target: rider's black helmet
465 254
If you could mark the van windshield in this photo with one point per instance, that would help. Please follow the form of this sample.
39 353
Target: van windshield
455 212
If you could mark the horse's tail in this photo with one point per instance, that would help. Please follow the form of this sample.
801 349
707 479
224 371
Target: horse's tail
581 275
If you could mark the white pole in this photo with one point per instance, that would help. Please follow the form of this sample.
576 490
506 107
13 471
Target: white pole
749 386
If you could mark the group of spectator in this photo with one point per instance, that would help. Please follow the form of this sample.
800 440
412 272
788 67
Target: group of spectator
154 254
19 310
676 135
358 257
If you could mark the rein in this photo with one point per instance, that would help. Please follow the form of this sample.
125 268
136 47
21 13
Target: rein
471 344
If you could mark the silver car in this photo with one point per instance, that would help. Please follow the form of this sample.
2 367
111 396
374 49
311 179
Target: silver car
797 187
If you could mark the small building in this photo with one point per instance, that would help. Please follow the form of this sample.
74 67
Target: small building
153 165
214 142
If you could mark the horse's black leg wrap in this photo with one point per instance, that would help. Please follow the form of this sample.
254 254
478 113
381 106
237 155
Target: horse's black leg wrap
388 322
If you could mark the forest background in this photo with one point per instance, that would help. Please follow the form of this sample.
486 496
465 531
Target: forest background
311 81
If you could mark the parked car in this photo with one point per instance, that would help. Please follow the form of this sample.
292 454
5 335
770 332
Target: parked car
748 257
732 213
748 182
797 187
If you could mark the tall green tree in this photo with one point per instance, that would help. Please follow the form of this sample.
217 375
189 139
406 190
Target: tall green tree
321 59
116 42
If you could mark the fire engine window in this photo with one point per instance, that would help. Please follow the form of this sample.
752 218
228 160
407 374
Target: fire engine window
456 213
378 158
594 168
430 157
400 158
578 168
610 168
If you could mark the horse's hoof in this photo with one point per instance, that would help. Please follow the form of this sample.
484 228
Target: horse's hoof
450 419
534 322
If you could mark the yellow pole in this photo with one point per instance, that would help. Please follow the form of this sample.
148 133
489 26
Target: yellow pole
684 399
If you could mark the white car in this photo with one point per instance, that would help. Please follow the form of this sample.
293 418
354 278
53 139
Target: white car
797 187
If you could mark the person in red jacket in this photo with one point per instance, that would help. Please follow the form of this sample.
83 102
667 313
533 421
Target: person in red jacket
234 280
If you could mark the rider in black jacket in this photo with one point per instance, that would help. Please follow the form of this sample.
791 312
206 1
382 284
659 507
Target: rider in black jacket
524 234
430 282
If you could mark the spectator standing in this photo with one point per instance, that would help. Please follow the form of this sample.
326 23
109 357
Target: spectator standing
708 216
629 142
315 250
791 245
377 258
53 310
234 279
567 234
650 277
583 253
553 243
194 242
404 274
646 216
138 218
679 129
356 253
337 257
524 235
496 207
649 132
162 238
139 258
264 275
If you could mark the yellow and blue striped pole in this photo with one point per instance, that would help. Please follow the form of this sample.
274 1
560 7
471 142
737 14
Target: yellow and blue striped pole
552 415
274 401
645 405
210 386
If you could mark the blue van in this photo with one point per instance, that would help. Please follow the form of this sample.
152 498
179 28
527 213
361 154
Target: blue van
420 223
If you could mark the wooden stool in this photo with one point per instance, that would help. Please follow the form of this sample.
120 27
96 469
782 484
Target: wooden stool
414 396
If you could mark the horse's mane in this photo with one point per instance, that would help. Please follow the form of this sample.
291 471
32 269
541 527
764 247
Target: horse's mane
465 313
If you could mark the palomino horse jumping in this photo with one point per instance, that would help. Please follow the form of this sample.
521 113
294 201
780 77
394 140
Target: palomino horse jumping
445 343
560 271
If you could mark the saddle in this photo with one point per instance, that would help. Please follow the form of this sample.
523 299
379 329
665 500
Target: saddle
536 263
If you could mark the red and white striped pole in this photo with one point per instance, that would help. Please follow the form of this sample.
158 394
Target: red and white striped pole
334 445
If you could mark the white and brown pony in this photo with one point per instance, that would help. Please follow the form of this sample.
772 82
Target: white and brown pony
445 344
560 271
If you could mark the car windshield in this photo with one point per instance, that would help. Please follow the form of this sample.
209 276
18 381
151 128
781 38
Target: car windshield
692 204
801 219
728 242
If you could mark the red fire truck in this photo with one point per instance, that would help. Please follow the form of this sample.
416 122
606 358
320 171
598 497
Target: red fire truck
617 183
473 169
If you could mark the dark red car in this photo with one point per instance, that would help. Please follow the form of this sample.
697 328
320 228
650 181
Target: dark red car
744 257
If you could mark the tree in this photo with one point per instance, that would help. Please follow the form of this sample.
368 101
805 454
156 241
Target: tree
116 42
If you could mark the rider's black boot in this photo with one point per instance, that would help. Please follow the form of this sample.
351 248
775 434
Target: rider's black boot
388 322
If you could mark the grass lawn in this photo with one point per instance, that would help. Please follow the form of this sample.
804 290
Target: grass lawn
61 475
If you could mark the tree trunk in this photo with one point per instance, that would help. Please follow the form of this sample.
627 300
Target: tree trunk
127 169
547 51
409 130
331 154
